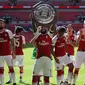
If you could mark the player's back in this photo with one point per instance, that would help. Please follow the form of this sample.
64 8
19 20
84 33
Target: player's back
18 39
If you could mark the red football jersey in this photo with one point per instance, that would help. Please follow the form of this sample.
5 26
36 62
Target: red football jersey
5 37
43 44
82 43
70 48
60 49
19 41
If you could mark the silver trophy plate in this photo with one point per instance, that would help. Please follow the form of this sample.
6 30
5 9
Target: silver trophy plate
44 13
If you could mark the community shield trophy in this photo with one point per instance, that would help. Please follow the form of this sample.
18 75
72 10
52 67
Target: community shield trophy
44 13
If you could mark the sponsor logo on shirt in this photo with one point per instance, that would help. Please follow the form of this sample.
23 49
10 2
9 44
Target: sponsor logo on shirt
43 43
2 40
62 45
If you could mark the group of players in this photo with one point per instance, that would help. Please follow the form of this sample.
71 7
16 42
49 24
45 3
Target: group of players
11 52
60 43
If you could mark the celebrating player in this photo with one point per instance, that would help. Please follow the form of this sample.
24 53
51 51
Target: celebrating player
43 44
43 63
19 40
5 52
71 43
80 58
60 47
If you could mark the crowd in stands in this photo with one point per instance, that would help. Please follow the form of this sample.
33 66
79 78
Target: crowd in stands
75 2
24 16
57 3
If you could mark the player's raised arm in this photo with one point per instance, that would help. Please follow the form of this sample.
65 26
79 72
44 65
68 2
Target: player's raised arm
32 41
52 28
34 28
79 38
33 23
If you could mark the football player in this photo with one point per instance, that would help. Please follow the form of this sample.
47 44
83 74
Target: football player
6 37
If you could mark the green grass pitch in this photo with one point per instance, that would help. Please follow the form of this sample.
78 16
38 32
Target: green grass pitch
28 68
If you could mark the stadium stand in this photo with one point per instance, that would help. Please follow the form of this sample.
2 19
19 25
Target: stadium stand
21 15
17 16
24 16
73 16
32 2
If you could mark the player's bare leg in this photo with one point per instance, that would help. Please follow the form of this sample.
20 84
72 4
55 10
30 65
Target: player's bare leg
75 75
12 76
10 79
60 76
21 74
2 75
34 80
39 80
46 80
70 74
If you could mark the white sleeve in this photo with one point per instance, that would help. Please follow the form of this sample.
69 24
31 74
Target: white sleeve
10 33
78 33
50 34
36 34
54 40
75 37
23 39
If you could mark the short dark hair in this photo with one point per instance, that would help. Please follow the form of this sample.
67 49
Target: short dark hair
18 29
61 29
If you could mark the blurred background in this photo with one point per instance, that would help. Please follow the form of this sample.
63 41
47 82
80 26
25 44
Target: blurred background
17 12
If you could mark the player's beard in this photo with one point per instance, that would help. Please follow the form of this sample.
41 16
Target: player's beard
1 28
43 31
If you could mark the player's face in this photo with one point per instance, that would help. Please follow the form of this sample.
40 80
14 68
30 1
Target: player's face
44 30
21 32
70 31
61 33
2 25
